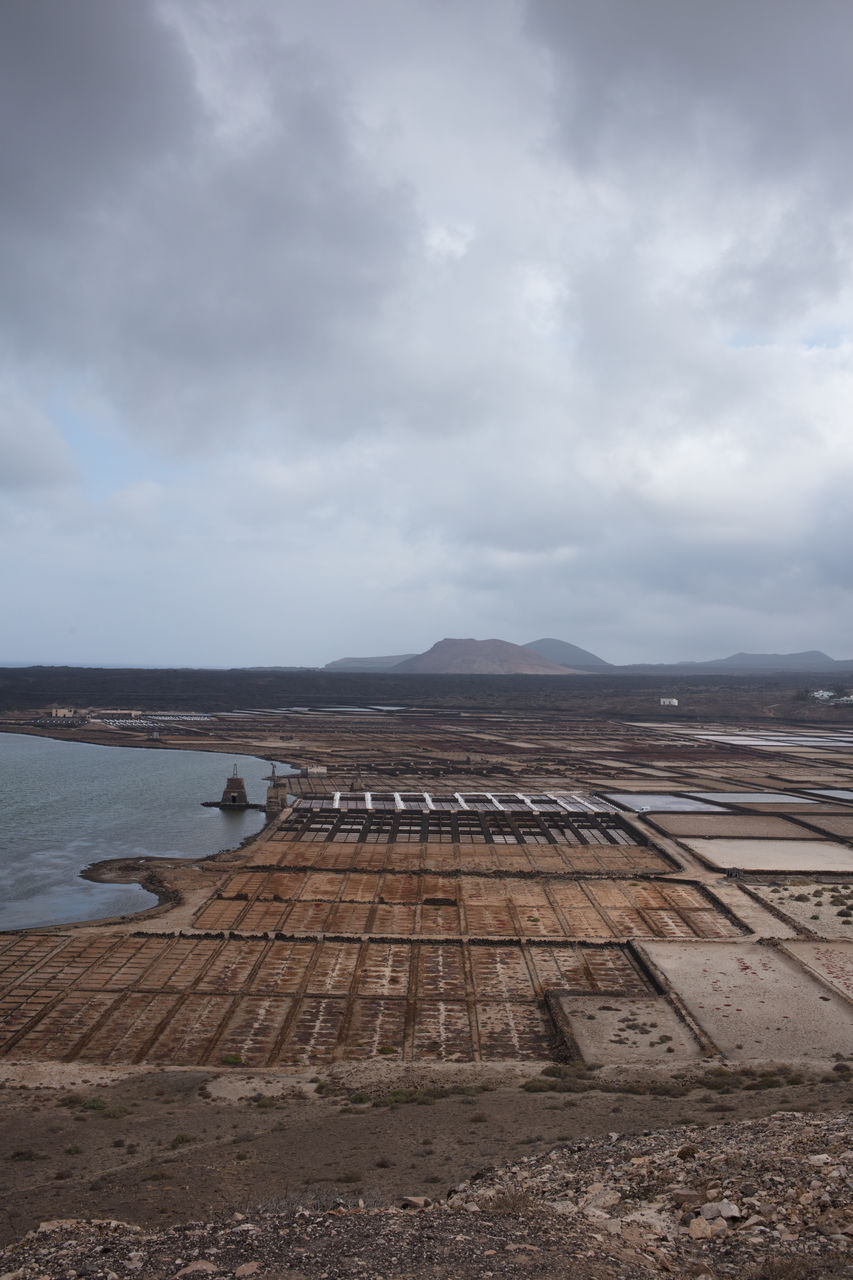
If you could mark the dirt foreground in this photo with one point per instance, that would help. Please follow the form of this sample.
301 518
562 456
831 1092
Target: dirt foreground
519 1172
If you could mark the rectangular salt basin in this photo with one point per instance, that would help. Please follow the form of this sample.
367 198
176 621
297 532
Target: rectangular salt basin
664 802
777 740
773 855
755 1002
841 825
737 825
752 797
631 1030
834 793
831 961
734 739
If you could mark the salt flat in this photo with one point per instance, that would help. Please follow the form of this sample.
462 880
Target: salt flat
773 855
754 1001
629 1030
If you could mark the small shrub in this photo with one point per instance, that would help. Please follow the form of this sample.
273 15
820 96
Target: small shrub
538 1085
325 1089
791 1269
513 1201
421 1097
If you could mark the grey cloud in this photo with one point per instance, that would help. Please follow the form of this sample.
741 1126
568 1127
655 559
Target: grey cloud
89 90
766 83
207 279
771 279
729 115
598 410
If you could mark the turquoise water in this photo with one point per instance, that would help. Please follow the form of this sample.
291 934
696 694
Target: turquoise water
65 805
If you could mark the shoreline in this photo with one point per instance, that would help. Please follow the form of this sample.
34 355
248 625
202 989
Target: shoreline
143 870
103 738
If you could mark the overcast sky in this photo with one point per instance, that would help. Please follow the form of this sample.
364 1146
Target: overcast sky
334 327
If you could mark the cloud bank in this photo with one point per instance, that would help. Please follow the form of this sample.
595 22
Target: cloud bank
335 329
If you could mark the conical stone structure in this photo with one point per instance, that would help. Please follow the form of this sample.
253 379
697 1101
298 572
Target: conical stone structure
234 796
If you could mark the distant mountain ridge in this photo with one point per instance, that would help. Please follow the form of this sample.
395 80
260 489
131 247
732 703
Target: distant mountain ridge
810 661
369 664
558 657
480 658
568 655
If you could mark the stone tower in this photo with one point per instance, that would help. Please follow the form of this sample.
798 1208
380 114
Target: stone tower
234 796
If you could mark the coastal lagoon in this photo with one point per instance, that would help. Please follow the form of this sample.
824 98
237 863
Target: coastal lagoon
65 805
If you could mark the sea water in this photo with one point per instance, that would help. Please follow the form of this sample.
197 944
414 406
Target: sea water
65 805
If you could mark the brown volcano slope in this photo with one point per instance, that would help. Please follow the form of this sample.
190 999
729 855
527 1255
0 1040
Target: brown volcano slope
482 658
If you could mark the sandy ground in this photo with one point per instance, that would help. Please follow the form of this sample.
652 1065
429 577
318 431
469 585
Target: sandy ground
819 907
159 1147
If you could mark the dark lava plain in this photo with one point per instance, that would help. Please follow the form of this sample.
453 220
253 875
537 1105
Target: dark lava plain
734 698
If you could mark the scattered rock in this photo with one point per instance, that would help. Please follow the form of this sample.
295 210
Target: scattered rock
415 1202
719 1209
597 1209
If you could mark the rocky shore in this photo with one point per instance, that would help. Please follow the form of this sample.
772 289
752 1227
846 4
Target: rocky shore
767 1199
